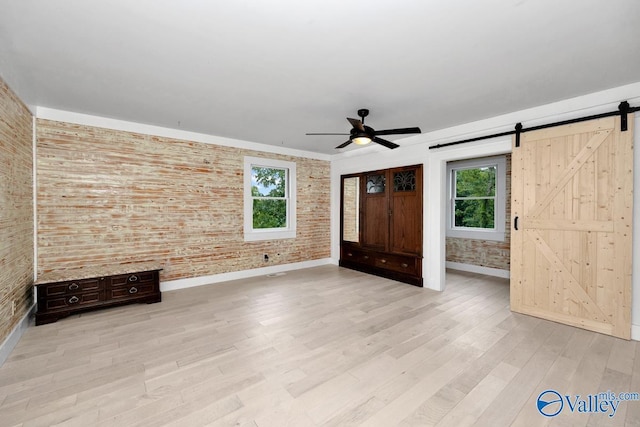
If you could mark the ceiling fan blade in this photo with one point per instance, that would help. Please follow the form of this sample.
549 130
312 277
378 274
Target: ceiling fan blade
399 131
327 134
344 144
384 142
357 124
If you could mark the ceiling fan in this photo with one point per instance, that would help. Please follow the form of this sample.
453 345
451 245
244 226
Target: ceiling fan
363 135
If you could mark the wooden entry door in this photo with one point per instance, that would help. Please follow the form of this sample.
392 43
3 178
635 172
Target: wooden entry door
572 195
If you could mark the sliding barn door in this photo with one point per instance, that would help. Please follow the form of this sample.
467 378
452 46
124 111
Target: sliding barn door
572 190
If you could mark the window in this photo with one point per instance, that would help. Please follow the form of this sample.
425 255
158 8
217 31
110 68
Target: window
476 208
269 199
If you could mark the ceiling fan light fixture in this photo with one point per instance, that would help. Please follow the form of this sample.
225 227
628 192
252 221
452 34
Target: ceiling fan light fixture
362 134
361 140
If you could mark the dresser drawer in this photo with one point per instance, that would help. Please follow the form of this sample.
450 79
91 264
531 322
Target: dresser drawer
69 287
399 263
359 256
133 279
69 301
131 290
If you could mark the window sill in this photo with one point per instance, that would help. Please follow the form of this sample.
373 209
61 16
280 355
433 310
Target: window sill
497 236
254 236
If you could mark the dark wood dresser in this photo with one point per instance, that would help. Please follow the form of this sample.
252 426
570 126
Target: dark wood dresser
66 292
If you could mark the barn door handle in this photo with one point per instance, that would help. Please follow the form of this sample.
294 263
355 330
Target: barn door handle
515 223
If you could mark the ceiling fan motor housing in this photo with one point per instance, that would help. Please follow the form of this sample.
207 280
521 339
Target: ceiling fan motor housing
368 131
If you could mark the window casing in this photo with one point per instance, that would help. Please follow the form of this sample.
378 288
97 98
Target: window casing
269 199
476 208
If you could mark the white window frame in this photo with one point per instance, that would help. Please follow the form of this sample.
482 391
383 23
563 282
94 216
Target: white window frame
288 232
495 234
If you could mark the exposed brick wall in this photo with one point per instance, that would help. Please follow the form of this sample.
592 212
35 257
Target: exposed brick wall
16 210
485 253
350 205
106 196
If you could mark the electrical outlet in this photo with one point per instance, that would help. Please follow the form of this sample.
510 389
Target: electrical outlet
266 258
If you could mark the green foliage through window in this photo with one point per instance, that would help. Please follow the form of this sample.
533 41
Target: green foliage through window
475 197
269 193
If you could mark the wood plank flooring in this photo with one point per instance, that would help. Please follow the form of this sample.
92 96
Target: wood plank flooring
324 346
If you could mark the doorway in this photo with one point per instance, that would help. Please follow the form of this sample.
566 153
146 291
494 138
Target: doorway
478 223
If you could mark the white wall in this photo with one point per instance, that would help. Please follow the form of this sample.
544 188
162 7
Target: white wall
414 150
635 273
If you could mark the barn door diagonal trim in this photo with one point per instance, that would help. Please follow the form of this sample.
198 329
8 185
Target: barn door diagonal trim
573 168
570 281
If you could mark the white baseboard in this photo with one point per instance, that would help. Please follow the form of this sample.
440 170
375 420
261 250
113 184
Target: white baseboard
12 339
635 332
172 285
496 272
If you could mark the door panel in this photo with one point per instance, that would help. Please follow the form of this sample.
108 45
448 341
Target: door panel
406 210
572 189
375 226
375 211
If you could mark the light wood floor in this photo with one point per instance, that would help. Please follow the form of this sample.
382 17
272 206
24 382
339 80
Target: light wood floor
318 347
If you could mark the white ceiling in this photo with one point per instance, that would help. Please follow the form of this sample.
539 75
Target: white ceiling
269 71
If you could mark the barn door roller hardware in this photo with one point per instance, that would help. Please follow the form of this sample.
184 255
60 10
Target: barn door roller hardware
623 110
518 132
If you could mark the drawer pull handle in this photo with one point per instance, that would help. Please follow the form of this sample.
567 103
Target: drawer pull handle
349 254
74 286
74 299
133 290
133 278
404 264
366 257
384 261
